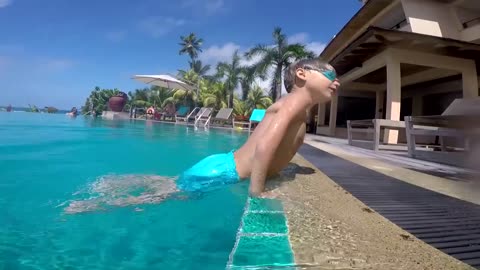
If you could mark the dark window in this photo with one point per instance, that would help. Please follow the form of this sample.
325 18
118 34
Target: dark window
354 108
435 104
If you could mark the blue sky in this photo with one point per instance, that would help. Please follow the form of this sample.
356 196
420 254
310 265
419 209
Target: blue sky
54 52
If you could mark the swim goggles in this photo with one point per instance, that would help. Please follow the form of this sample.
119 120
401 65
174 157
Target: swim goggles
328 73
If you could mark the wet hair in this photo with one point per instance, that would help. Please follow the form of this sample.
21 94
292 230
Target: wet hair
289 75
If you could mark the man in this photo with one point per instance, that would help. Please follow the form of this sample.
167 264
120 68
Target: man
267 151
277 138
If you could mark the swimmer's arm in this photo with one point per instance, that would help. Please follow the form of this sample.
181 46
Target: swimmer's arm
266 148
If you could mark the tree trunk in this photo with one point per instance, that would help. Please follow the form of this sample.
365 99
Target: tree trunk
230 97
245 90
278 82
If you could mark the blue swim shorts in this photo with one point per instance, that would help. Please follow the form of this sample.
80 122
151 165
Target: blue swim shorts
212 171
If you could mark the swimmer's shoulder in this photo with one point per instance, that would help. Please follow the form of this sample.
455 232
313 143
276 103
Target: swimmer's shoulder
288 105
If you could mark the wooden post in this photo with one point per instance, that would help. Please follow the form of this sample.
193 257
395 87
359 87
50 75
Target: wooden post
333 114
410 136
321 114
470 82
380 95
394 89
349 132
376 134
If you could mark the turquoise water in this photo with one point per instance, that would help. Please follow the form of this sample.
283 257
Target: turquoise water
46 159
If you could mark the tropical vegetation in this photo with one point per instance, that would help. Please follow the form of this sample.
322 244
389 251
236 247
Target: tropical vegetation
229 84
275 58
50 109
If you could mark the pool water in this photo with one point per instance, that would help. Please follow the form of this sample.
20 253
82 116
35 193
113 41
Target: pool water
45 160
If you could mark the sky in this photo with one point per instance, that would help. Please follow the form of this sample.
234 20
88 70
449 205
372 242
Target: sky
54 52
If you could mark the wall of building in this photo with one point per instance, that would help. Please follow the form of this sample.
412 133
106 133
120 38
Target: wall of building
471 34
406 28
465 15
431 18
432 99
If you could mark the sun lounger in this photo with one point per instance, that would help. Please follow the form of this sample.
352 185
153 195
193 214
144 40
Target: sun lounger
181 115
194 116
224 116
204 117
169 111
256 117
454 128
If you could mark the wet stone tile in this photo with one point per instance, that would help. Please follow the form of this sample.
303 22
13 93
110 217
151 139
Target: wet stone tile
264 223
263 251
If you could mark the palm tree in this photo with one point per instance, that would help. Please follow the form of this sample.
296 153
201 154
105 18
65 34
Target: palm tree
240 108
277 57
159 95
214 94
186 97
197 67
140 98
190 45
246 80
98 100
232 72
257 99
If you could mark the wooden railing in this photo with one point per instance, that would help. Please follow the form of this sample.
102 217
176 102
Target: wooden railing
372 126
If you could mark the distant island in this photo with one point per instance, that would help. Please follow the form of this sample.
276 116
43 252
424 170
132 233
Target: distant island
48 109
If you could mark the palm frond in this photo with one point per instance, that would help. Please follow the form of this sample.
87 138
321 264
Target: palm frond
264 64
279 38
257 50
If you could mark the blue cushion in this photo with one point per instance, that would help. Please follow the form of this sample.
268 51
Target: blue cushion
257 115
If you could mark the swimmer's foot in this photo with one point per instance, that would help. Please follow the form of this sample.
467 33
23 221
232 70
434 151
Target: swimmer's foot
116 191
76 207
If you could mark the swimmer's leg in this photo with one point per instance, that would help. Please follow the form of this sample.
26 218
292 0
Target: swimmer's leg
117 191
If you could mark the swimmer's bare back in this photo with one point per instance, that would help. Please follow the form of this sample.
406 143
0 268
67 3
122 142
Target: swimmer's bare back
113 190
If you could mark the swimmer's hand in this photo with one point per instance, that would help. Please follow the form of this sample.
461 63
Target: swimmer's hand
269 195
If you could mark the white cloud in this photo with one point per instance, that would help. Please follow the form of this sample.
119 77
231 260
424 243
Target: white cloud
298 38
304 38
209 6
214 54
223 53
316 47
159 26
4 3
116 36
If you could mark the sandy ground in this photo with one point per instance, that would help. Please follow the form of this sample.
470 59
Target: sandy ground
331 229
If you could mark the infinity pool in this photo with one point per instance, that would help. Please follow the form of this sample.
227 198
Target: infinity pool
48 160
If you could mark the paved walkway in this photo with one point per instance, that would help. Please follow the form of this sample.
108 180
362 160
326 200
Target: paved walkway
449 180
450 224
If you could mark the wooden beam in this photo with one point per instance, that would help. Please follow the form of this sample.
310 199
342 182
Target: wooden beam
358 32
427 75
364 86
372 64
431 60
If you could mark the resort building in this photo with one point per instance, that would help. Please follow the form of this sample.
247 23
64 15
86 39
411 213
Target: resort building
398 58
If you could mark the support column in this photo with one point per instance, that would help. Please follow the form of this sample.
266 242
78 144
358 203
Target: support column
470 82
394 88
333 114
321 114
379 104
417 105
